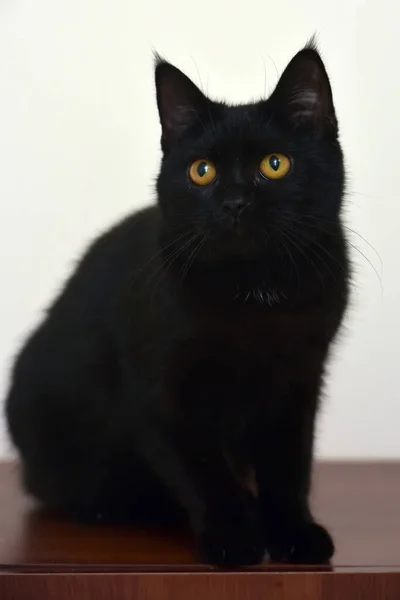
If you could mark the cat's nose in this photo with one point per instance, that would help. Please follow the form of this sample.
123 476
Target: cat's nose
234 206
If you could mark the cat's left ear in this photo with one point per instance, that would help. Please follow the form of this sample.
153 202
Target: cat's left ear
303 94
180 102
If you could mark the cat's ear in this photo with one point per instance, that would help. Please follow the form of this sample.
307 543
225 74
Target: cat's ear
303 93
180 102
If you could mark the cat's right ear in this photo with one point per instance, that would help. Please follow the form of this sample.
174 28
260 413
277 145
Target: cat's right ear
303 94
180 102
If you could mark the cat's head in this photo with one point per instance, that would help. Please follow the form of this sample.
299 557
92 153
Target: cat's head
237 180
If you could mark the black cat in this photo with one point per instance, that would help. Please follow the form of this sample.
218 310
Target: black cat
186 352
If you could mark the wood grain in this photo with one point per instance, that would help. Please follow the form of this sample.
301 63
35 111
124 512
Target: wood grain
42 557
215 586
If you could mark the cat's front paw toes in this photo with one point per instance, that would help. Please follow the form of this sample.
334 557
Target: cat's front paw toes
308 543
231 547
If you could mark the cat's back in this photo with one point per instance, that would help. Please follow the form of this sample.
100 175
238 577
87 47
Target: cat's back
110 262
66 376
78 325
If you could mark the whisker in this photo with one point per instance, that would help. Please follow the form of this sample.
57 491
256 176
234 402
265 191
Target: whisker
168 263
316 226
368 244
292 260
192 257
136 275
170 258
369 262
308 259
300 233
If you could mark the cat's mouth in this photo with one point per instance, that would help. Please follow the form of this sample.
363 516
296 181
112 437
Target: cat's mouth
241 229
239 239
234 225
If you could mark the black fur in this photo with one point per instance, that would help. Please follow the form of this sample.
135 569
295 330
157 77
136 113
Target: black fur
187 350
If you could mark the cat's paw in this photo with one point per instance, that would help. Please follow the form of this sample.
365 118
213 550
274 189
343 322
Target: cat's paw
231 546
309 543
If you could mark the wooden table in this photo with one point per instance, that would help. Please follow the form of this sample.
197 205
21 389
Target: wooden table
43 558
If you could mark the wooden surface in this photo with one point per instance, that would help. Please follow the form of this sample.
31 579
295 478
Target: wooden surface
42 557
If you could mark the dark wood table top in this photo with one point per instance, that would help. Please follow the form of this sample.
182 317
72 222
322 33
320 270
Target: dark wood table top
360 503
45 558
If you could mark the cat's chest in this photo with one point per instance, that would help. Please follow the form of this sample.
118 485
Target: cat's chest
260 333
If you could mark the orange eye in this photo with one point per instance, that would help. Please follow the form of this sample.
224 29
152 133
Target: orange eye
275 166
202 172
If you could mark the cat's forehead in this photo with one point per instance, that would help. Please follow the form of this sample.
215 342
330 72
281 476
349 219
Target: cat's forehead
242 118
243 128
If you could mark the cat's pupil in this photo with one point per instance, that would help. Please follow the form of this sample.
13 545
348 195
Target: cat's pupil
274 163
202 169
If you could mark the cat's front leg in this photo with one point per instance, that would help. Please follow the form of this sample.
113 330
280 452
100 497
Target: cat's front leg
283 458
228 528
229 534
224 515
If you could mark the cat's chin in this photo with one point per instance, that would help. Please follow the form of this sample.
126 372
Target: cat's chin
231 246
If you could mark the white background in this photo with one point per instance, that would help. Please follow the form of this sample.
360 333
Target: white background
79 147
